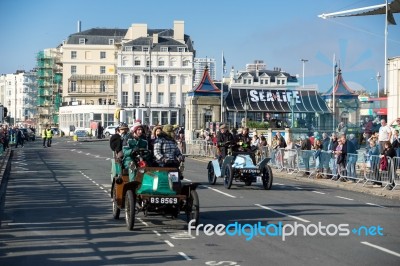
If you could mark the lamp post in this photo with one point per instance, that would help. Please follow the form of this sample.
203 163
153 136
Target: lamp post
304 63
245 107
292 104
378 77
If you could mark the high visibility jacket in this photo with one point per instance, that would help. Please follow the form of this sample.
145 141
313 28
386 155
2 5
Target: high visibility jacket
44 133
49 133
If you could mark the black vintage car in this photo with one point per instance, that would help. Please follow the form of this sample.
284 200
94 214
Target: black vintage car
28 133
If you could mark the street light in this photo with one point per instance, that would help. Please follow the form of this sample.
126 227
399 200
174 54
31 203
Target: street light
304 62
292 104
378 77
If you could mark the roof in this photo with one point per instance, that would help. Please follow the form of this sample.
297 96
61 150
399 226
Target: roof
206 86
275 100
341 89
97 36
271 73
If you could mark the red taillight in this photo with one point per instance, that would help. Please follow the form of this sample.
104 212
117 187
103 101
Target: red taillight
142 164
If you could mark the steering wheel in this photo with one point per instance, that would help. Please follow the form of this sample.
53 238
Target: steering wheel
141 153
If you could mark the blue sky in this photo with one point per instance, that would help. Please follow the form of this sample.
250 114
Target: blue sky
279 32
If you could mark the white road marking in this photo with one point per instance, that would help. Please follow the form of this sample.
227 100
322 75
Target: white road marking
157 233
381 248
184 255
278 184
87 153
317 192
169 243
281 213
143 222
343 198
28 224
298 188
373 204
219 191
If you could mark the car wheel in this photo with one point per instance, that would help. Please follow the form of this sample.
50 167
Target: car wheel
212 179
193 207
115 209
107 134
228 177
130 203
267 177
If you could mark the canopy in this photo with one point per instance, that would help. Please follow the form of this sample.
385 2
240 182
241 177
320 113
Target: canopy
277 101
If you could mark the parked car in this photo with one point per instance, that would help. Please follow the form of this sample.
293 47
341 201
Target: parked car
56 131
110 130
81 133
28 133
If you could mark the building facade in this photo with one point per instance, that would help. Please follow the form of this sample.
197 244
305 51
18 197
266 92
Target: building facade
155 73
393 104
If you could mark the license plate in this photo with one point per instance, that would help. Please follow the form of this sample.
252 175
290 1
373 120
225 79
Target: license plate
163 200
259 179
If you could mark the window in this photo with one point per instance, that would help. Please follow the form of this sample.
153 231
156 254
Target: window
181 49
278 82
164 49
164 118
149 79
148 98
160 97
136 98
124 61
124 79
102 69
111 41
102 86
161 62
73 86
145 48
73 70
261 81
185 63
124 98
137 79
172 80
283 82
102 55
172 98
266 81
73 54
174 118
137 62
160 79
128 48
148 63
82 41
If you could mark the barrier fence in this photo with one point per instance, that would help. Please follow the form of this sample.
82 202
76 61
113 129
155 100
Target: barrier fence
360 168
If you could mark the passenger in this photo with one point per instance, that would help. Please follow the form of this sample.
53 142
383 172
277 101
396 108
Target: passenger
134 144
166 151
224 137
123 131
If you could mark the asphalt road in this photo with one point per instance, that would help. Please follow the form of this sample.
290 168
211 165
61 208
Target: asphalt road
58 211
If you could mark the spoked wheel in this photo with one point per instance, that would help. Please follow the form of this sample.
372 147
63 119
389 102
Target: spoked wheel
267 177
228 177
193 207
130 204
115 209
212 179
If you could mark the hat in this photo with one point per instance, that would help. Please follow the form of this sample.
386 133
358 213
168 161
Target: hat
138 121
222 126
175 126
136 126
168 129
123 126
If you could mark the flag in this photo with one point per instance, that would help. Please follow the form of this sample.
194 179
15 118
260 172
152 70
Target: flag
224 63
390 17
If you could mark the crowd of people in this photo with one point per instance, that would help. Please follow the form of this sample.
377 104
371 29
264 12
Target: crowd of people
13 134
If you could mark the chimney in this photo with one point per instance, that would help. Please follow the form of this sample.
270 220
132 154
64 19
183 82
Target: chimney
79 26
139 30
179 31
155 37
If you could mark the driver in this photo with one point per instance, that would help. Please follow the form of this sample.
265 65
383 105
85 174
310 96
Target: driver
166 151
224 137
135 143
243 141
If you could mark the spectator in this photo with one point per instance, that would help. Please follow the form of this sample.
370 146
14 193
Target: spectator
396 142
352 139
181 143
385 134
255 142
388 151
395 124
19 140
368 127
305 147
332 148
349 156
291 154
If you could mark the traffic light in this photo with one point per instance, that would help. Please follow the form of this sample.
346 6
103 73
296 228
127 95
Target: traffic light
5 110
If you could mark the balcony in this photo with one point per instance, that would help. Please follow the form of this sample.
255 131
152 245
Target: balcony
92 77
90 91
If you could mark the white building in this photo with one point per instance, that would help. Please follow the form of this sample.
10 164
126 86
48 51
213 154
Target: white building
200 64
393 89
19 96
165 55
